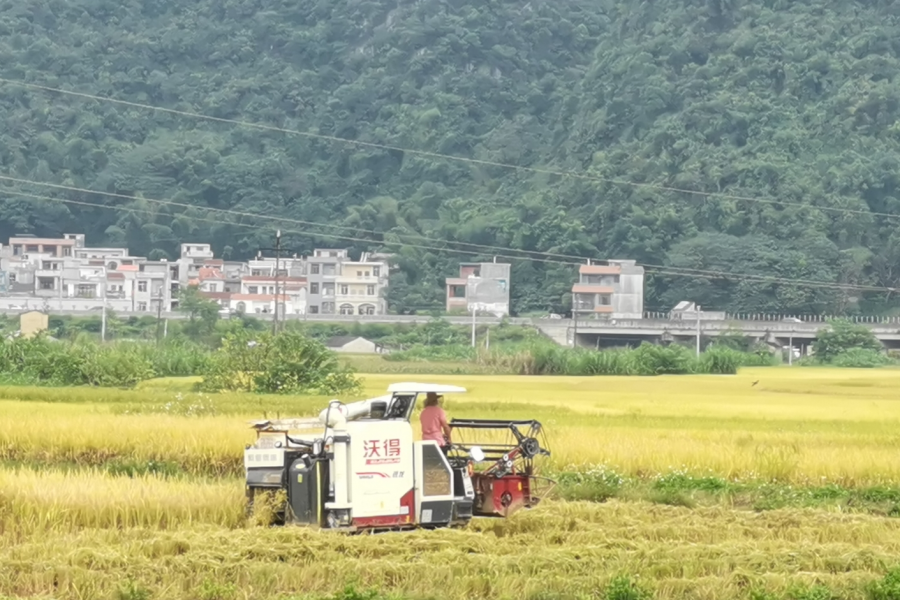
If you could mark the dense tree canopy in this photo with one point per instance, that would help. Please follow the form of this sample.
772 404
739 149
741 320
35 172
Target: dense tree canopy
787 108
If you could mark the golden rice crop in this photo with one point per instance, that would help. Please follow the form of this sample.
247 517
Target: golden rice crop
84 534
796 425
52 501
562 548
89 435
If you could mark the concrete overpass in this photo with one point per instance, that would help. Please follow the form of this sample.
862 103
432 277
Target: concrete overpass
776 333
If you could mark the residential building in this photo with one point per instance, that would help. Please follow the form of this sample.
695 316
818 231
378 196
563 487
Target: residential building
483 287
689 311
359 285
32 323
28 244
609 289
339 285
354 345
65 274
322 269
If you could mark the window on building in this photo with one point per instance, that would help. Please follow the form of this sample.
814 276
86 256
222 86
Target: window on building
344 291
31 248
609 280
376 271
313 310
252 289
367 309
346 309
142 286
314 269
142 306
370 290
457 291
314 288
46 283
604 300
583 302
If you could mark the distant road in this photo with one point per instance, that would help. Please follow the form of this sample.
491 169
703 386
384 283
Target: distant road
655 327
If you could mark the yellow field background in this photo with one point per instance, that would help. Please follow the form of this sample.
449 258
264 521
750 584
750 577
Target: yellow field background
71 532
794 425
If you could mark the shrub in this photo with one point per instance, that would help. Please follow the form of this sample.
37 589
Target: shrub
861 358
623 588
887 588
651 359
288 362
842 337
721 360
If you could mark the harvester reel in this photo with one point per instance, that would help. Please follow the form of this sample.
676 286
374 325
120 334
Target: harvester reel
530 447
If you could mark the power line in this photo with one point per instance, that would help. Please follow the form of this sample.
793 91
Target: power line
664 270
273 218
581 260
425 153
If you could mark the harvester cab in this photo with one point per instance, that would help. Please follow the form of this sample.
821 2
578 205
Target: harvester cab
357 467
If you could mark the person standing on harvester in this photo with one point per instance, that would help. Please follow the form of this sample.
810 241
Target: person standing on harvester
434 422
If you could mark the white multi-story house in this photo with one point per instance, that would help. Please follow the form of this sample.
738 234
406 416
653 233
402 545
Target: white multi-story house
65 275
609 289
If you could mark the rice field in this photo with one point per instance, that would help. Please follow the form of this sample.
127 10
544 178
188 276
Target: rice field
138 494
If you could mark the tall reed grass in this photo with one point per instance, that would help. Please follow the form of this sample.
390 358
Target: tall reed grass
546 358
84 362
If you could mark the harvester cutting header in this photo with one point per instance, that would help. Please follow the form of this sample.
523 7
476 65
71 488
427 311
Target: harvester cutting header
357 467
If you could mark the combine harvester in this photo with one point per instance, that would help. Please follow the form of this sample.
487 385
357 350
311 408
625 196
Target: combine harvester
357 468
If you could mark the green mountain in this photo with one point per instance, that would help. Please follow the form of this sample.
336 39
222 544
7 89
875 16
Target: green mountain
786 108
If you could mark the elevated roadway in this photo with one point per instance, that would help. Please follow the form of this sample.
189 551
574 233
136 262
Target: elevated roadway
595 333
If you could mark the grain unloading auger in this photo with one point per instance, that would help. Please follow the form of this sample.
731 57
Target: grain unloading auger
357 467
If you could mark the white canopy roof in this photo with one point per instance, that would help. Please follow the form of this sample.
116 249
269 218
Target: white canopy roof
424 388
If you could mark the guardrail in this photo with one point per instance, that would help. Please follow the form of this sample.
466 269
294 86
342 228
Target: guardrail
650 319
761 317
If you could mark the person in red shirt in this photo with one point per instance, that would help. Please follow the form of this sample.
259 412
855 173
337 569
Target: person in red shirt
434 422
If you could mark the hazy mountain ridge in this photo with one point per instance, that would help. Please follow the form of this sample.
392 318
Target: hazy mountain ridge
789 101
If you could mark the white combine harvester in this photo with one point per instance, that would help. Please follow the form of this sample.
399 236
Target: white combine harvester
357 467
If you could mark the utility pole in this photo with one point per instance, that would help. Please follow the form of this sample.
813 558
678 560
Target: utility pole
698 331
473 324
277 249
103 310
575 324
277 257
159 313
791 348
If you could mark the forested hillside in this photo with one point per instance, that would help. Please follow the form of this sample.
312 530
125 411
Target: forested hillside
791 105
